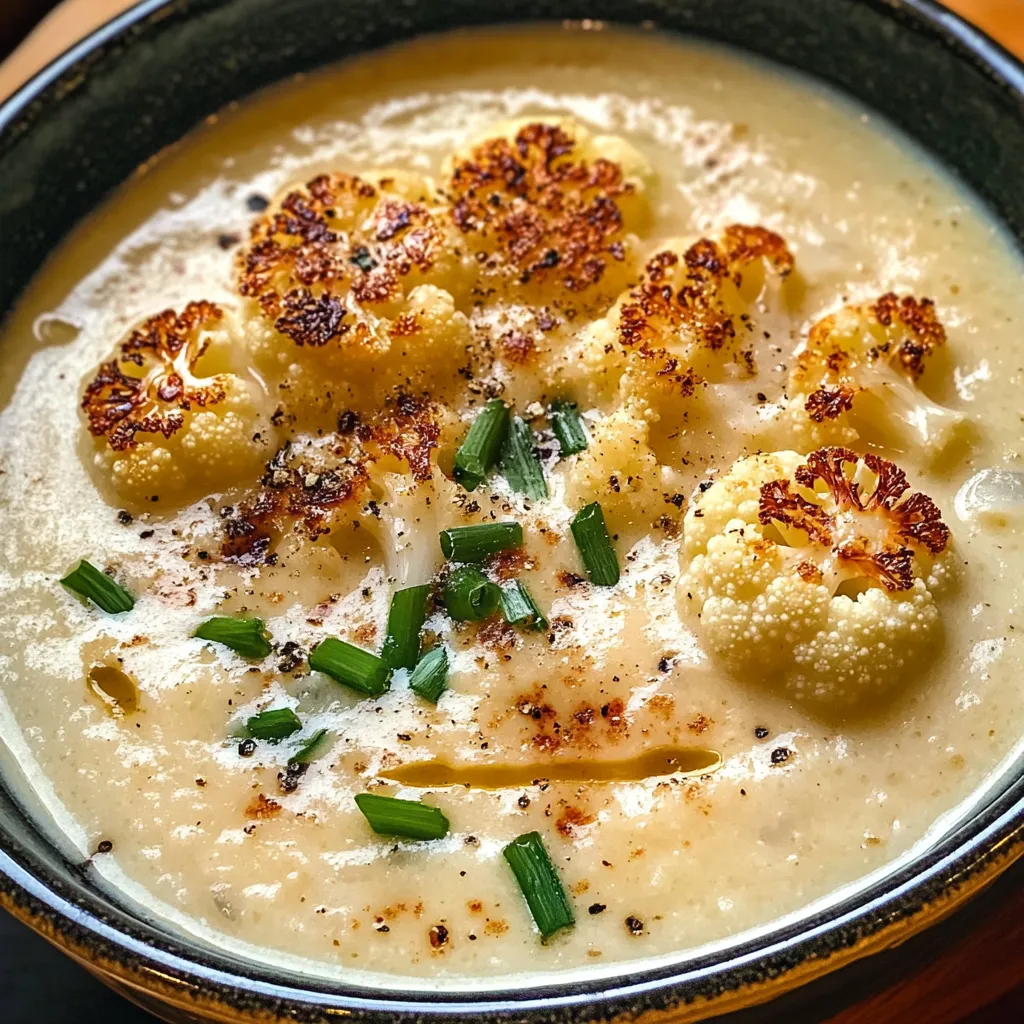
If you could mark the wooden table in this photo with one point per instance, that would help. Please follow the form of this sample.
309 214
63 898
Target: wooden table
979 980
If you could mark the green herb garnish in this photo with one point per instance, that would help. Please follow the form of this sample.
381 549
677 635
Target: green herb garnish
430 676
405 620
409 819
540 883
477 543
351 666
274 725
248 637
479 451
519 462
568 427
591 536
98 587
519 607
310 750
469 595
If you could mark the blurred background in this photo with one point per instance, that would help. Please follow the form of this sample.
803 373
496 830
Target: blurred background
973 974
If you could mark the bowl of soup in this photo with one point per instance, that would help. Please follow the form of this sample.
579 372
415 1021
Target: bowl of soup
509 519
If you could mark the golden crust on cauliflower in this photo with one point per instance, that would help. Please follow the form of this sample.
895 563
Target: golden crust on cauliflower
818 572
856 377
699 296
540 210
164 429
150 384
340 235
309 483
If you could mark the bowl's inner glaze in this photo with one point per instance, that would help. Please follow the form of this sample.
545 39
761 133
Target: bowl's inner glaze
982 168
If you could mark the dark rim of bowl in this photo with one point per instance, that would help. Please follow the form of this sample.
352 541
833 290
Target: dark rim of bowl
116 942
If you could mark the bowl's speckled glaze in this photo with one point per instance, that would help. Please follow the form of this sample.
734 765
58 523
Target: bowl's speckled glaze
84 124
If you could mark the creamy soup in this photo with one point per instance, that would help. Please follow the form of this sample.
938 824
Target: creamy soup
716 382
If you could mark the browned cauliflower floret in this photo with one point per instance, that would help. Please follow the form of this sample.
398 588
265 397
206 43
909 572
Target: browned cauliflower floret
856 378
349 284
547 208
699 303
817 573
334 485
166 426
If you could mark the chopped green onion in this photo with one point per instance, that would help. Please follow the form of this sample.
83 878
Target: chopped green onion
430 677
98 587
540 883
405 620
248 637
469 595
310 750
479 451
519 462
274 725
568 427
351 666
476 543
591 535
410 819
519 607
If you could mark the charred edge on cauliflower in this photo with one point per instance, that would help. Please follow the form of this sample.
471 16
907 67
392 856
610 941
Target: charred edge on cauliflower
827 357
302 257
829 403
306 490
149 384
913 520
706 266
549 213
919 317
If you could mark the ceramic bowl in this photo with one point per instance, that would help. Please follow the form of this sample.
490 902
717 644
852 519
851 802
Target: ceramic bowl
85 123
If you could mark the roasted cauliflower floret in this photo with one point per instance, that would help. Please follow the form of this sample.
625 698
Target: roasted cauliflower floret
699 304
549 210
856 378
332 486
348 283
818 574
167 426
619 470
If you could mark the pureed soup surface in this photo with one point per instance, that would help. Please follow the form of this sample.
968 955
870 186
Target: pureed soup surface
808 659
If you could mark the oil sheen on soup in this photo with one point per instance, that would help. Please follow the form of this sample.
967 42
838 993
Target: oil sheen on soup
582 436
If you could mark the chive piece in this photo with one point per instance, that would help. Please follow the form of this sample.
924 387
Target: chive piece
310 750
476 543
519 462
351 666
568 427
98 587
248 637
410 819
519 607
469 595
430 677
405 620
274 725
479 451
540 883
591 535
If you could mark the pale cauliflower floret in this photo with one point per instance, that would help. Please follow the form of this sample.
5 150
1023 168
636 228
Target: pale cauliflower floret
619 470
549 211
817 574
856 378
166 426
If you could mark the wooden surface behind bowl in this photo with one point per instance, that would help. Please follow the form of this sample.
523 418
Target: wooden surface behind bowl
978 981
